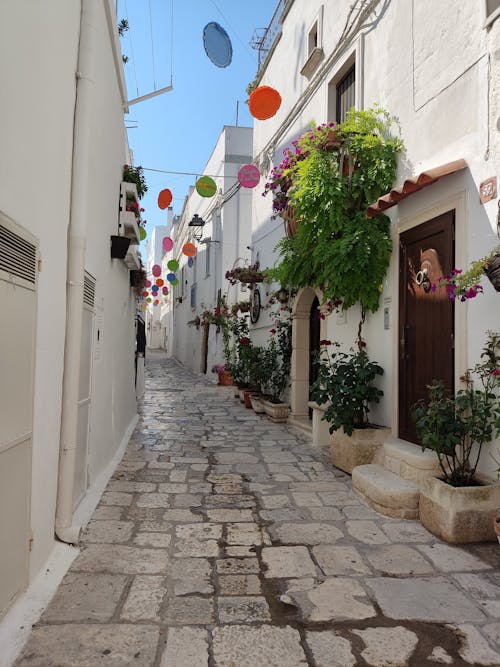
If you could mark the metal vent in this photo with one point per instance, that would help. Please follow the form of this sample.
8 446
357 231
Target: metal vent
89 290
17 255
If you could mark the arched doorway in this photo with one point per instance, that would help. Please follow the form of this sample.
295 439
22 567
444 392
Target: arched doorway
302 344
314 338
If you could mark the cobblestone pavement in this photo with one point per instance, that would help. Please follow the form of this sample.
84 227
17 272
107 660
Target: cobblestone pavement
224 540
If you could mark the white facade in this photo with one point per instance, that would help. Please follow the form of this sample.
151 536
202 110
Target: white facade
155 333
437 71
39 132
226 237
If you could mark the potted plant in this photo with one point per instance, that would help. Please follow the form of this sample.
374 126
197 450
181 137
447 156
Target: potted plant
464 285
276 362
346 387
225 378
135 175
248 275
460 506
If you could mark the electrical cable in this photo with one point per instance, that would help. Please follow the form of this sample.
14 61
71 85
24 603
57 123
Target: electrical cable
152 44
132 50
245 46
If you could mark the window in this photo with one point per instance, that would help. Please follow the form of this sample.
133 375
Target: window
207 260
315 52
193 296
492 11
345 95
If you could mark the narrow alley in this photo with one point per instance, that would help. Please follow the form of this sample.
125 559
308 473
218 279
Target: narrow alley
225 540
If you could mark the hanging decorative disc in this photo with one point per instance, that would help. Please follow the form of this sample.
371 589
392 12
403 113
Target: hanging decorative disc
264 102
156 270
167 244
173 265
189 249
175 282
149 299
248 176
217 44
164 290
206 186
171 277
164 199
145 293
147 283
160 282
142 233
190 262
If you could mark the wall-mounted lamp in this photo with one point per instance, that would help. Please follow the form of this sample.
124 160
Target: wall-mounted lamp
197 225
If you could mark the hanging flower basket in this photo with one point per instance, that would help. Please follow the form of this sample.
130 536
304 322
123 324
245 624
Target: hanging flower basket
291 222
492 270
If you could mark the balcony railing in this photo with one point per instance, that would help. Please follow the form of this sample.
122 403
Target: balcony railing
264 39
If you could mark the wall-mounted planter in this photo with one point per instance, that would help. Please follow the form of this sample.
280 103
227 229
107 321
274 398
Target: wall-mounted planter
119 247
127 224
132 258
493 271
277 412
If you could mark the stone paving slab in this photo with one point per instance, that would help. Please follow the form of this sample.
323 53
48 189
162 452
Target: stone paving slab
224 540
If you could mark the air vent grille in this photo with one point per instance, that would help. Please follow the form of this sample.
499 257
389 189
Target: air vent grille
89 290
17 255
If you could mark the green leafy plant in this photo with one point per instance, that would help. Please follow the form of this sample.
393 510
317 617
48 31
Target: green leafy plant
135 175
345 384
464 285
452 425
277 358
329 180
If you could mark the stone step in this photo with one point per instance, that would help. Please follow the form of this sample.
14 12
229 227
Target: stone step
409 461
386 492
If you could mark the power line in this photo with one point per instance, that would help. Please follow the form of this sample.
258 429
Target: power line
152 44
132 50
245 46
187 173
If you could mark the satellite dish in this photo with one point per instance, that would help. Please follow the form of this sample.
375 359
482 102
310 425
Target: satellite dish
217 44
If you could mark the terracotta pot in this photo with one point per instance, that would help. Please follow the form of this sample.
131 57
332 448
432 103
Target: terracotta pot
225 379
246 397
332 141
493 272
291 222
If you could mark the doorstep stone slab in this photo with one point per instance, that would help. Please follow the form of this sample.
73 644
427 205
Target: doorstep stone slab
86 597
386 492
431 599
250 646
76 645
387 647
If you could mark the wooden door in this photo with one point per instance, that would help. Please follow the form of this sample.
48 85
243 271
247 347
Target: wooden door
314 338
426 332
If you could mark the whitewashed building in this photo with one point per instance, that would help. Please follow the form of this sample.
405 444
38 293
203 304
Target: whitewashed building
223 243
67 336
155 333
435 67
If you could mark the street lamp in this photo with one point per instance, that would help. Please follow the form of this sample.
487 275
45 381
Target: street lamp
197 225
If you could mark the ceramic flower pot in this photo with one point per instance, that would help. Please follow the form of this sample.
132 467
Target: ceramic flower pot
225 379
277 412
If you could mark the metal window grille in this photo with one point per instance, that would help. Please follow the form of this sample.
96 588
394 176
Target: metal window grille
18 257
346 94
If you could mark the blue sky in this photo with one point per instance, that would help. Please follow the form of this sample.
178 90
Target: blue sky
177 130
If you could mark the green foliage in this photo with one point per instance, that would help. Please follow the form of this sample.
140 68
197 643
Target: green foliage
336 248
135 175
345 384
123 27
451 426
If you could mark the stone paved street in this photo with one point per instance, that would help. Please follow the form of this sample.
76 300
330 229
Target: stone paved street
224 540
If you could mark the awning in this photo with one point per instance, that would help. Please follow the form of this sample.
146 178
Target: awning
412 185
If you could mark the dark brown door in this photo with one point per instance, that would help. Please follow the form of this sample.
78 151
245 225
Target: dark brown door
314 334
204 348
426 335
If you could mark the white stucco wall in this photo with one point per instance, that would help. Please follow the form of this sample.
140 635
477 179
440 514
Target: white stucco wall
38 60
438 71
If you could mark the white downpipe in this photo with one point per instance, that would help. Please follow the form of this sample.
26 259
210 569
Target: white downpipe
77 235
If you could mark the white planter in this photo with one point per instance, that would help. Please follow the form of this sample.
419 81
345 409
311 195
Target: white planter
257 405
459 514
277 412
320 427
360 448
128 227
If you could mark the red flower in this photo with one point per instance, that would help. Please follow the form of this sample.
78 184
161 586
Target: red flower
362 343
325 342
244 341
273 331
496 372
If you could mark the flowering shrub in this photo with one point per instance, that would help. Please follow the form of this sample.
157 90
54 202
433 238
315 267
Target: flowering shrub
330 306
451 426
245 274
135 175
133 206
219 368
464 285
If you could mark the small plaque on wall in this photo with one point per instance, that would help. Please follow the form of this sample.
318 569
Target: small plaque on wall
488 190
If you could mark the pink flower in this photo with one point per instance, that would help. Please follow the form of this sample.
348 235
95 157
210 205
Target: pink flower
496 372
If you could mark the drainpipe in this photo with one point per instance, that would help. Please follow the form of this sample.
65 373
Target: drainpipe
77 233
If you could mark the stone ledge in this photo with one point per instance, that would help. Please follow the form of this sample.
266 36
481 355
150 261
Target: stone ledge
386 492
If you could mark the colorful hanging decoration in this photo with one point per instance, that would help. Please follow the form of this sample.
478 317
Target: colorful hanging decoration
264 102
248 176
142 233
190 262
160 282
145 294
173 265
164 290
206 186
156 302
167 244
149 299
156 270
217 44
164 199
171 277
189 249
147 283
175 281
